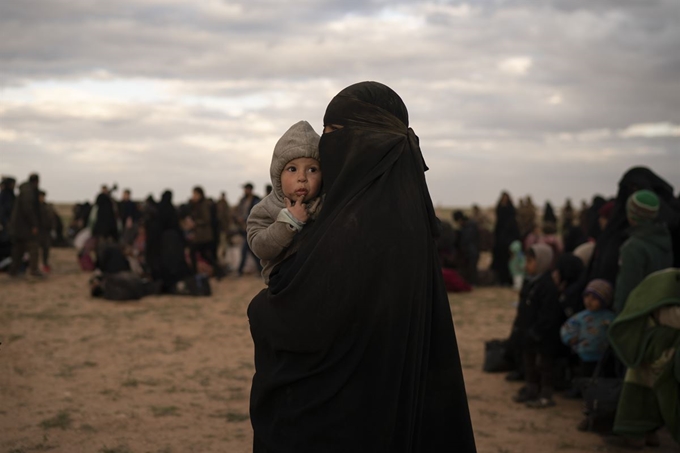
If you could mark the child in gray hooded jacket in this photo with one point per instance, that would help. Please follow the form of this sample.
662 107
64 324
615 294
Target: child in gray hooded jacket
296 179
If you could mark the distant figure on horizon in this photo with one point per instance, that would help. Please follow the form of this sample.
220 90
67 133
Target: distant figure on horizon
224 219
129 217
247 203
25 226
468 247
47 224
7 197
204 235
105 225
526 217
505 231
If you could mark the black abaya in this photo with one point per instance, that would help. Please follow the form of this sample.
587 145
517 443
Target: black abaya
605 261
105 225
355 349
505 232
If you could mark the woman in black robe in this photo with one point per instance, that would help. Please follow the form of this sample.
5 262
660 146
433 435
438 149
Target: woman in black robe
605 261
105 225
174 265
355 349
505 232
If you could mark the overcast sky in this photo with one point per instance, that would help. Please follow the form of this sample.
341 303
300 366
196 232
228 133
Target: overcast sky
556 100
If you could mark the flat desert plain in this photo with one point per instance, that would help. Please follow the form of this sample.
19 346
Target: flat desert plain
172 374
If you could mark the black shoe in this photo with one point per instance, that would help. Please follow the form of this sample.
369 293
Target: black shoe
524 395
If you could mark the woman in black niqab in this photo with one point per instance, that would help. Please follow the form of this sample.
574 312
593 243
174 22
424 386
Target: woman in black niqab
168 217
605 261
355 348
505 232
105 225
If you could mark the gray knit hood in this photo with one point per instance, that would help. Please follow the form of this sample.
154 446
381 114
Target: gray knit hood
544 257
298 141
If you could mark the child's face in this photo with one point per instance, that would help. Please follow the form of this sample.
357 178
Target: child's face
530 266
591 302
301 179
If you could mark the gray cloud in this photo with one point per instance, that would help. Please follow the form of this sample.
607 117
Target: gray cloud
503 94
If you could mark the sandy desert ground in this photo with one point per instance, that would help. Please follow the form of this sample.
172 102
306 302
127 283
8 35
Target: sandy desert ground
172 374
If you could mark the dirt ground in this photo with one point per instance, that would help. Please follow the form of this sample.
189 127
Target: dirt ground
172 374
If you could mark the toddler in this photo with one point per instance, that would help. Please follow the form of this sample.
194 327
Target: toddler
536 328
586 331
296 179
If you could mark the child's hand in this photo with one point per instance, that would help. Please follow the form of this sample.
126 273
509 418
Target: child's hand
313 208
298 209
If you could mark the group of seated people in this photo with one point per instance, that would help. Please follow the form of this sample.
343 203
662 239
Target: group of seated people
156 253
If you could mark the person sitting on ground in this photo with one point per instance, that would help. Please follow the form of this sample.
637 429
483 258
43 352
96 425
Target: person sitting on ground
296 176
122 286
586 331
536 329
648 248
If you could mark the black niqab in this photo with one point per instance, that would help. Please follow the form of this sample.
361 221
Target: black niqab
549 214
173 264
605 262
105 225
167 214
506 231
355 348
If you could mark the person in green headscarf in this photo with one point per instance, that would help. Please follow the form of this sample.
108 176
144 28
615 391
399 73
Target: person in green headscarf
646 337
648 248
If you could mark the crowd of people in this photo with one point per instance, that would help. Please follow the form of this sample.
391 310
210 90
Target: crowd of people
28 225
597 288
599 297
134 248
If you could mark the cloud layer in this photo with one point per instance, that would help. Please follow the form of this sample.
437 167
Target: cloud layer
554 100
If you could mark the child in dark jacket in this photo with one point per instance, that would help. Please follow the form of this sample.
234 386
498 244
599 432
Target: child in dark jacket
537 328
